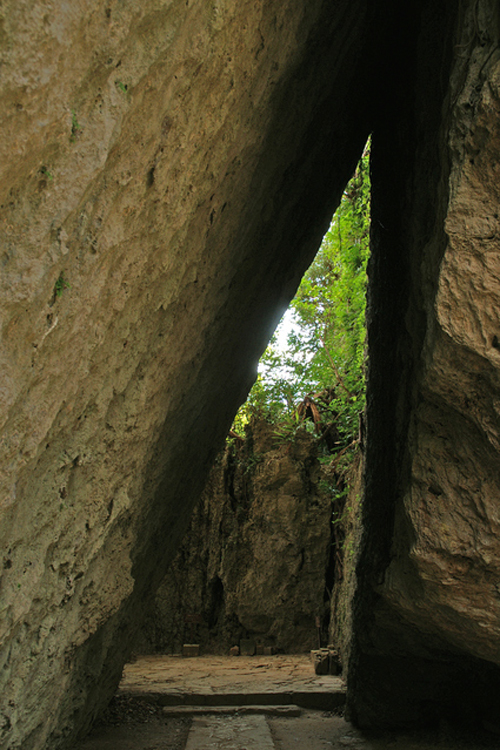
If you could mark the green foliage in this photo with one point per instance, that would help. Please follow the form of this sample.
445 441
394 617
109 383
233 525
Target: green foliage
324 357
60 285
46 173
121 86
252 460
75 126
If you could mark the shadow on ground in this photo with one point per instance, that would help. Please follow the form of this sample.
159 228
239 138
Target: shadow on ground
166 703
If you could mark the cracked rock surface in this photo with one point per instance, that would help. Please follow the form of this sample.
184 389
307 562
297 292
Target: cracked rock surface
167 172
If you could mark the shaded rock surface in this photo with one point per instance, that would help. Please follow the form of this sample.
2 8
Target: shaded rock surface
254 562
167 171
427 603
152 156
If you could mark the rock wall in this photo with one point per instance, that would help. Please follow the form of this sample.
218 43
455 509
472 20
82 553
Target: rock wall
256 559
427 611
167 172
346 553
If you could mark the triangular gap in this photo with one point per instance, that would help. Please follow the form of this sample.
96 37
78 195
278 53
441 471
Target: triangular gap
317 352
312 380
266 559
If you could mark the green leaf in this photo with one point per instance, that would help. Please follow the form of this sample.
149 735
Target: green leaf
325 349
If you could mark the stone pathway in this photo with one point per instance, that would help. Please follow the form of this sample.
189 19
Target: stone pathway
246 703
238 681
230 733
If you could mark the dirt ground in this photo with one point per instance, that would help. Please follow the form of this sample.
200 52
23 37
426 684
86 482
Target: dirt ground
140 716
322 731
134 724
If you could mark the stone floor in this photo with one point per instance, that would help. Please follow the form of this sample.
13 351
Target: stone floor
220 681
244 703
228 732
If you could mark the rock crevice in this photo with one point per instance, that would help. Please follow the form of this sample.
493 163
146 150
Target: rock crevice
167 173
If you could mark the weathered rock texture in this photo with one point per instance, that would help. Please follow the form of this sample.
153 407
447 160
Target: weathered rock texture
427 612
167 170
346 550
256 560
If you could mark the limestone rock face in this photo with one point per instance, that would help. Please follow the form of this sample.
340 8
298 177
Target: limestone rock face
431 604
254 561
167 171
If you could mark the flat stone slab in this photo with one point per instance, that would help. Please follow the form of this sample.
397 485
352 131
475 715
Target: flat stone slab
230 733
190 711
234 681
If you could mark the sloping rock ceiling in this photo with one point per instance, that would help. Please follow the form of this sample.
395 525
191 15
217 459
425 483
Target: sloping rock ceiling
168 169
164 184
